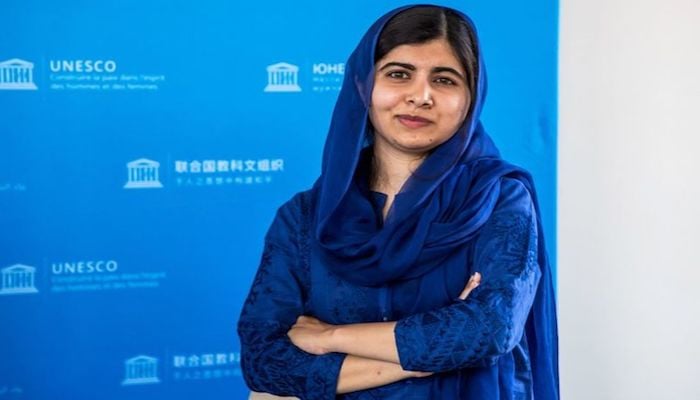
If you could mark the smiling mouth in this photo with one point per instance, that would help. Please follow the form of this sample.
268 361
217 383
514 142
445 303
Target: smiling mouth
412 121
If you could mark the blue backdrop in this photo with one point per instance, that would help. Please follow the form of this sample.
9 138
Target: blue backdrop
144 148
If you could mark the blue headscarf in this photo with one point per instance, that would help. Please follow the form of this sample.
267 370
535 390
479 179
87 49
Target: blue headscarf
439 209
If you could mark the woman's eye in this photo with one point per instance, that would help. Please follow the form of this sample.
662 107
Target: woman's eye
398 75
445 81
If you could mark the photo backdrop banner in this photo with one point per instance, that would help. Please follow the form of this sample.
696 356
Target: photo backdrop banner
144 149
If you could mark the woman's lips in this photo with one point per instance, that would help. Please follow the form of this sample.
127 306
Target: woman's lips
412 121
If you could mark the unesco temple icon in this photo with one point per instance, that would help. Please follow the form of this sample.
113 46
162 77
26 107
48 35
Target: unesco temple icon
282 77
16 74
17 279
143 174
141 370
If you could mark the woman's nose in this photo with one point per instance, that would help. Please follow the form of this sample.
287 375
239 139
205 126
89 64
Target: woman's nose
420 95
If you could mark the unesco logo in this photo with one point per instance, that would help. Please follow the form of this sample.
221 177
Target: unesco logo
16 74
282 77
17 279
143 174
140 370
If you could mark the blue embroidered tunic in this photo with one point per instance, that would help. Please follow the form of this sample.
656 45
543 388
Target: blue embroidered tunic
481 336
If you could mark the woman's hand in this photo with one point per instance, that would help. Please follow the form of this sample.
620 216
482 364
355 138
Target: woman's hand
474 281
311 335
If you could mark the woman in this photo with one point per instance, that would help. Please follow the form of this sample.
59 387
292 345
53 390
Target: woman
369 285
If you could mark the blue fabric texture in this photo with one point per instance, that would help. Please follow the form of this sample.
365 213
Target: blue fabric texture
330 254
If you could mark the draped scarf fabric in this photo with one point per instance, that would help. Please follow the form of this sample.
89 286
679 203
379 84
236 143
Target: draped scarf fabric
440 207
438 210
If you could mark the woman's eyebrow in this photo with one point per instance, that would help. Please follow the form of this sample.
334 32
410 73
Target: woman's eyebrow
398 64
437 70
411 67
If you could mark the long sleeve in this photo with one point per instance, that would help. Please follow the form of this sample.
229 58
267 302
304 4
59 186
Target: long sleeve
491 321
270 362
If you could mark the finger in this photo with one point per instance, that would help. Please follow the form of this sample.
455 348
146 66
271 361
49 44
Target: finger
308 320
467 289
304 320
474 281
301 320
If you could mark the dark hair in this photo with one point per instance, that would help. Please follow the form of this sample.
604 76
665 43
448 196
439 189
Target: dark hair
426 23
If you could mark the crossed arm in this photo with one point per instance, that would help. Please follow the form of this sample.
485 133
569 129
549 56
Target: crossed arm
372 356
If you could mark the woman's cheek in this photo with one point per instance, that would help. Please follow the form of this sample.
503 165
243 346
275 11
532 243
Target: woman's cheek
384 99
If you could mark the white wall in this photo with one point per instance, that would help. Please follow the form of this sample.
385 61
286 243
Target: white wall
629 199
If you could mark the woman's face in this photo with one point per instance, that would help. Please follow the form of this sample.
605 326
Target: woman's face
420 97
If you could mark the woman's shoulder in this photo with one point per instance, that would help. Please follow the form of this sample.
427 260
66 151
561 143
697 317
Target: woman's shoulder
511 229
514 196
299 204
295 213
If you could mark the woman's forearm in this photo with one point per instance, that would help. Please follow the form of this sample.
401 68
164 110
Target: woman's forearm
369 340
376 340
359 373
